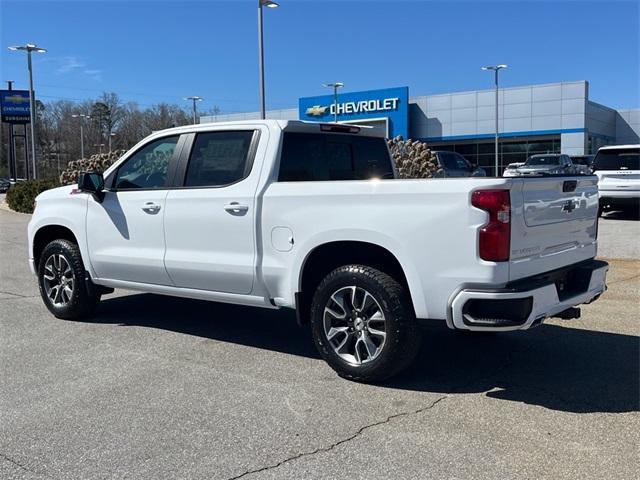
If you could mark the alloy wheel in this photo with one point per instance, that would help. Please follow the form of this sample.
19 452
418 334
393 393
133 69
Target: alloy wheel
354 325
58 280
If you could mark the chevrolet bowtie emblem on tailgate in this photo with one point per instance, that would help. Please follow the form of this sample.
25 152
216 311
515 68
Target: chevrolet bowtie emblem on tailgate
569 206
316 110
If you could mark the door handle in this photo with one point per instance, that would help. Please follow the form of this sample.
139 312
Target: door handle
151 208
235 207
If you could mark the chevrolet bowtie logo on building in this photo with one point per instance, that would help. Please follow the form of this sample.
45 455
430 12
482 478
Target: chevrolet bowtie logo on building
317 110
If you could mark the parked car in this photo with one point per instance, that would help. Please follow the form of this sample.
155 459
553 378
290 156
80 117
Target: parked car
4 185
544 164
584 163
618 171
310 216
510 170
452 165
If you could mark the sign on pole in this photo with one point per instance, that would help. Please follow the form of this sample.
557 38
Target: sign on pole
15 106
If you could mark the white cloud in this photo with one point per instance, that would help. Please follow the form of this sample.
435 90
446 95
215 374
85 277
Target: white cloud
69 63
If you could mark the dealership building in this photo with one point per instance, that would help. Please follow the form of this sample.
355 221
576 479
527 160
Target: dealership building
549 118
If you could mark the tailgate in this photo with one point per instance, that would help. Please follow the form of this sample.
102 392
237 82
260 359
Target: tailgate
554 223
619 180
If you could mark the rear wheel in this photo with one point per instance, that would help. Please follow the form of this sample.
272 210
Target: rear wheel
363 324
64 287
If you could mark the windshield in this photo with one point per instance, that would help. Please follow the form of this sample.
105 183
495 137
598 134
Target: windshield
620 159
451 161
544 160
582 160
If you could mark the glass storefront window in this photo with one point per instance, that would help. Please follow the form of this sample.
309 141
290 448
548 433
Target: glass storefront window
511 151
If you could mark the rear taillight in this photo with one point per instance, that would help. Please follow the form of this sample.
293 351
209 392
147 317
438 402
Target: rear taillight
494 237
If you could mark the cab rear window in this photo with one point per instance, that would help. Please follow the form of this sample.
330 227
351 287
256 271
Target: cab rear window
619 159
322 157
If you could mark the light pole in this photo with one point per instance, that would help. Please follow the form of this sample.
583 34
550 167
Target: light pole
335 87
195 99
30 47
496 69
111 135
268 4
81 116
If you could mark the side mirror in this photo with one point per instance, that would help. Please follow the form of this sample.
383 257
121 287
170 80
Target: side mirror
93 183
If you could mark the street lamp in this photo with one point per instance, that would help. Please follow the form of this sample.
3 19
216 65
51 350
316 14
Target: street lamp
268 4
496 69
81 116
335 87
194 99
30 47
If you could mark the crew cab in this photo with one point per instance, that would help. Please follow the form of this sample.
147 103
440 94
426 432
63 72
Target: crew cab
618 171
309 216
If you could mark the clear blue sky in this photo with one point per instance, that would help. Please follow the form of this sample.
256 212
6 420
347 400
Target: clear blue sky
153 51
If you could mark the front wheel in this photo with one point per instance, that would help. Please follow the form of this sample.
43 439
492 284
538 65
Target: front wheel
363 324
64 288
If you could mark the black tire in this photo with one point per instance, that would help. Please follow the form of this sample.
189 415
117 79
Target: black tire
402 333
84 299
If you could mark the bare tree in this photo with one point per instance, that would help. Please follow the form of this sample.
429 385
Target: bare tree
59 132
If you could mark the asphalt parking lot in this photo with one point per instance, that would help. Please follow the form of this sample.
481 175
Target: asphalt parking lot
163 388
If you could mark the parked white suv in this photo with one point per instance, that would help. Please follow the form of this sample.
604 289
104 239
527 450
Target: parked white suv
309 216
618 171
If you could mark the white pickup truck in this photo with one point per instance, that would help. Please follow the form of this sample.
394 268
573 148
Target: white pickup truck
310 216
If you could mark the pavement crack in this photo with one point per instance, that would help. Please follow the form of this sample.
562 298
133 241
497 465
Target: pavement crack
21 466
343 441
14 294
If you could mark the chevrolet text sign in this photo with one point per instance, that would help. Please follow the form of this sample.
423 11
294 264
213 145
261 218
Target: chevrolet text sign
15 106
390 103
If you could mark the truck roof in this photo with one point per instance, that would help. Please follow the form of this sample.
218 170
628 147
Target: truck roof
287 125
618 147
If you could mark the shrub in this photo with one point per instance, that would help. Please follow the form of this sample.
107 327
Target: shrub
96 163
21 196
413 158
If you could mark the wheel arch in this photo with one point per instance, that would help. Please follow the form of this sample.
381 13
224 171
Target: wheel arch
326 257
46 234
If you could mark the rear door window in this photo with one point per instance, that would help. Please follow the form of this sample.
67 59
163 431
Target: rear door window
619 159
219 158
322 157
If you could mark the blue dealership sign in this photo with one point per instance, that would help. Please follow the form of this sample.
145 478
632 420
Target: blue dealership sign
391 104
15 106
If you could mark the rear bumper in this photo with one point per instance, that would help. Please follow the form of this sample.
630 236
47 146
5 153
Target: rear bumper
619 195
619 199
527 302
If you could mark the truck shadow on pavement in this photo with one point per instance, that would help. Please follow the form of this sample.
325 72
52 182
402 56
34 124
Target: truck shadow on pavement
629 214
556 367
